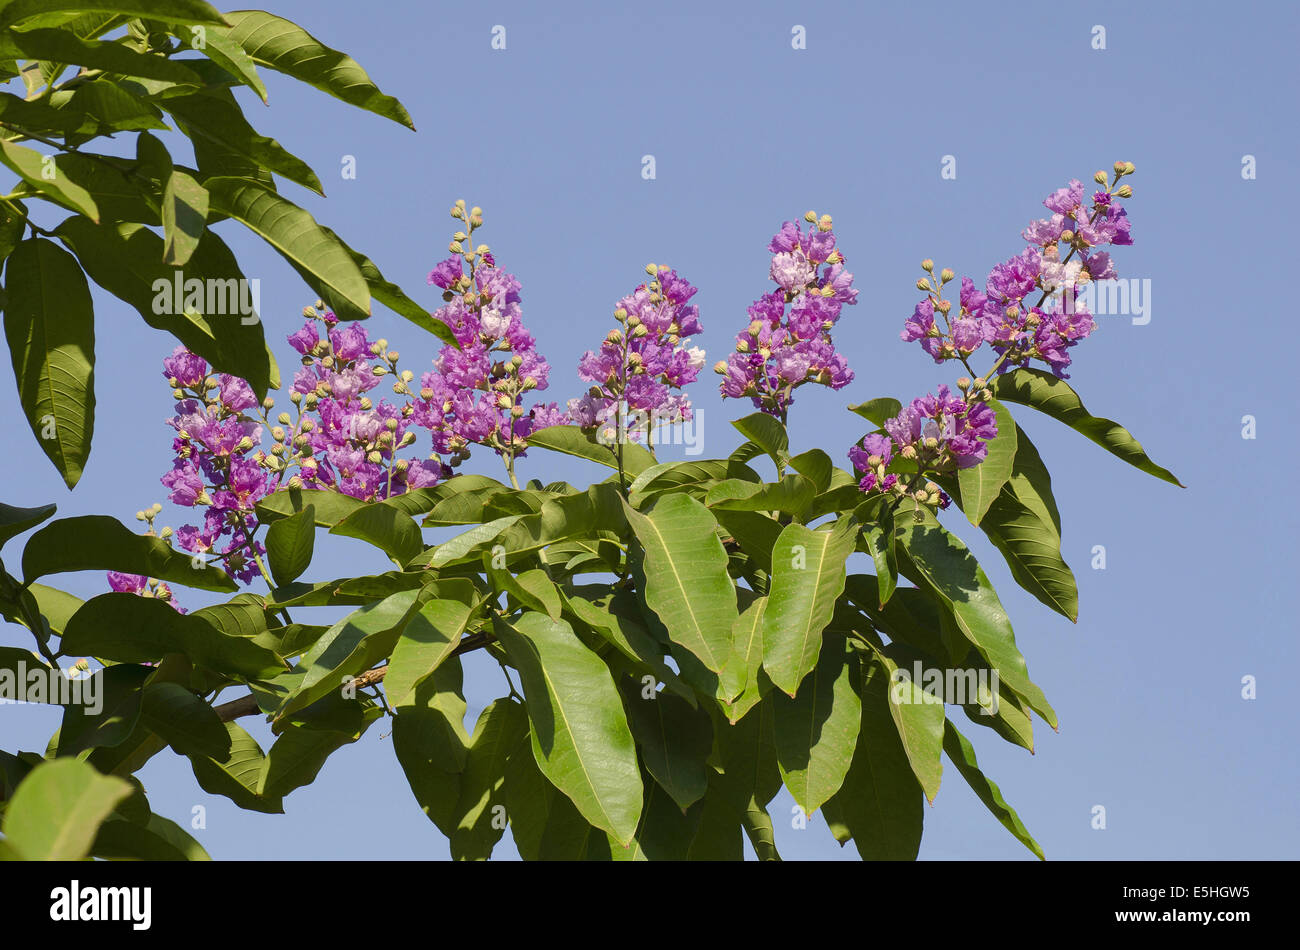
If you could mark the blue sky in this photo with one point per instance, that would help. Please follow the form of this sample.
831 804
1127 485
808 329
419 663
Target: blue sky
548 137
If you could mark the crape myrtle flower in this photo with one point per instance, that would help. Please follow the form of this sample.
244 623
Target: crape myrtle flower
641 364
1029 308
476 394
343 440
788 340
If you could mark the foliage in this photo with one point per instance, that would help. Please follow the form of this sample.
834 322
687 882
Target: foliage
687 637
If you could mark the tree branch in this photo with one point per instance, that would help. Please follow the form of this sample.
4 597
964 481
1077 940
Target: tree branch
247 705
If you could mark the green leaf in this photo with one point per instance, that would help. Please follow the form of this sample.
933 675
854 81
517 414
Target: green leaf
33 168
962 754
100 543
297 756
574 441
952 571
219 47
238 774
429 638
350 647
65 47
980 484
218 117
395 299
154 839
687 584
580 736
287 48
610 615
502 727
82 729
170 11
879 541
116 108
49 324
132 629
184 217
544 824
816 466
817 730
294 234
430 742
673 738
126 260
58 808
807 578
739 685
329 507
1044 392
384 526
879 410
880 804
14 521
189 725
793 494
919 718
289 545
768 434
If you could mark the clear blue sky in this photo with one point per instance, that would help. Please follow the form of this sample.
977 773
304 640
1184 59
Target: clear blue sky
548 135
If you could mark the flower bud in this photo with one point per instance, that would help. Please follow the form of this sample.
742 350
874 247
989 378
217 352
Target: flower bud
295 397
469 257
284 419
374 457
946 274
481 250
963 383
407 439
278 434
931 443
1101 177
1120 167
516 411
652 269
380 370
308 425
810 217
366 404
178 394
943 306
386 439
295 481
475 212
245 444
140 516
824 223
742 346
640 330
309 312
504 402
927 265
980 382
455 247
720 368
407 376
1124 191
921 496
1129 168
530 382
923 284
908 451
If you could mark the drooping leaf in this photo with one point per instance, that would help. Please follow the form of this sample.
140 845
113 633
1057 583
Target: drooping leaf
58 808
481 809
34 168
574 441
49 325
100 543
289 545
687 584
962 754
428 639
807 577
1054 397
580 736
981 484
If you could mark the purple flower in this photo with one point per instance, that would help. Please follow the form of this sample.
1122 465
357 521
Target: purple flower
186 368
447 273
305 340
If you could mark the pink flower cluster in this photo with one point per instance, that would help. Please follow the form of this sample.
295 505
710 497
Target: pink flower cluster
788 340
641 364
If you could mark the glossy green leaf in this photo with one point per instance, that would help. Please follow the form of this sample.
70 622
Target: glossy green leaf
384 526
427 640
184 217
284 46
293 233
956 576
126 260
878 410
49 325
687 584
1054 397
34 168
481 809
132 629
289 545
58 808
880 804
171 11
14 520
817 730
768 434
100 543
981 484
238 774
807 578
574 441
962 754
673 738
350 647
189 725
65 47
580 736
